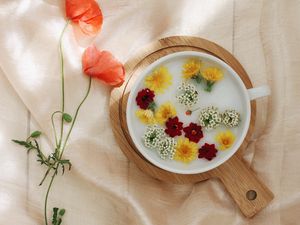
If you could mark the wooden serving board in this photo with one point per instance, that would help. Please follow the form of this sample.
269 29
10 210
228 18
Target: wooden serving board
250 194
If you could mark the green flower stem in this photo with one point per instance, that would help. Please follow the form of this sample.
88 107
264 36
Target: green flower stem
59 147
75 117
197 77
58 143
63 148
46 174
47 195
62 83
209 85
53 126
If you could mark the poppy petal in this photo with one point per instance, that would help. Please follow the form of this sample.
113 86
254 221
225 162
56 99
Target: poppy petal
86 13
90 57
76 8
103 65
92 12
92 27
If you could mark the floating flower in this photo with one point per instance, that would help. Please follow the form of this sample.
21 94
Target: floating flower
159 80
153 135
225 139
185 150
103 66
210 118
164 112
193 132
231 118
145 98
208 151
145 116
166 148
211 75
174 127
86 14
191 68
189 95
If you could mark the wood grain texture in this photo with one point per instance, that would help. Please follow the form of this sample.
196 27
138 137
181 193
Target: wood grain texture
227 171
238 180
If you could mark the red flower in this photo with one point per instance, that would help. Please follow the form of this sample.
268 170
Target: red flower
208 151
102 65
193 132
174 127
86 14
144 98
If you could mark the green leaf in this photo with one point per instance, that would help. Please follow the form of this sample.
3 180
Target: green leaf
23 143
62 164
59 221
67 117
152 106
62 212
35 134
208 89
57 216
197 78
65 161
209 85
54 216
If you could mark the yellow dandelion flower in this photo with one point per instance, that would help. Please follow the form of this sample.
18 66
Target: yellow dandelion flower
145 116
186 150
225 139
164 112
212 74
191 68
159 80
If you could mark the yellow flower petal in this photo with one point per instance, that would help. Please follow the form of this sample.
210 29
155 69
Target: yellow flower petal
159 80
212 74
164 112
145 116
191 68
225 139
186 150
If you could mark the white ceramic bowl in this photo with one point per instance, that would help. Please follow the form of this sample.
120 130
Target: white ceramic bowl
229 93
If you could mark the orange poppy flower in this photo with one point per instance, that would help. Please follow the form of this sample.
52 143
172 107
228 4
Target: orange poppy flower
86 14
103 65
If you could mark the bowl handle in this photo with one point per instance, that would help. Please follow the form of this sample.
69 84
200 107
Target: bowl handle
259 92
250 194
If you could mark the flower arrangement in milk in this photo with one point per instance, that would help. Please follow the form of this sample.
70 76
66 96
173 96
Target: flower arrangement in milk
165 132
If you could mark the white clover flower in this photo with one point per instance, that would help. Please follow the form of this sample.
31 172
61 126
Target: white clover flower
153 136
210 118
189 95
166 148
231 118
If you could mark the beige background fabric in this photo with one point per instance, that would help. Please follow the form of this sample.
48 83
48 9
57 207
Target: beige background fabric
103 187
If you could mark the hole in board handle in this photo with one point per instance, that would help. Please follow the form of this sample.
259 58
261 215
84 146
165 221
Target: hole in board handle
251 195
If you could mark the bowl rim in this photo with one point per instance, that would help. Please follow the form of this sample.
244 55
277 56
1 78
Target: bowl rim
212 164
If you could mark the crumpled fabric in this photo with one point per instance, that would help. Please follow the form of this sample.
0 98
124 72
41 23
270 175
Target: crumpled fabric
103 187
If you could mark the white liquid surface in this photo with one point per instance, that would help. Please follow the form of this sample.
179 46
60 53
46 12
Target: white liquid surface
228 93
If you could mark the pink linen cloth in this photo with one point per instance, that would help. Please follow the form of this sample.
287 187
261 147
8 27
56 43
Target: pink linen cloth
104 187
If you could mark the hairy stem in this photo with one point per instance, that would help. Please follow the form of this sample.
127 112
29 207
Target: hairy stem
53 126
58 143
62 83
59 147
47 195
75 117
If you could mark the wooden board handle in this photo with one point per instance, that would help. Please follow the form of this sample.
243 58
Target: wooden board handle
248 192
